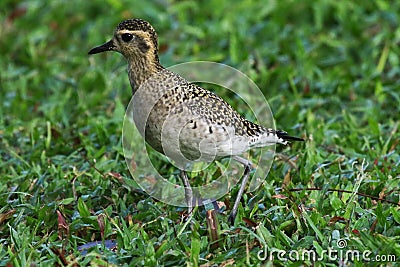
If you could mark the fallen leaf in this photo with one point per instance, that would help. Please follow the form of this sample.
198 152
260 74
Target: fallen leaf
250 222
100 221
63 227
355 231
336 219
279 196
5 216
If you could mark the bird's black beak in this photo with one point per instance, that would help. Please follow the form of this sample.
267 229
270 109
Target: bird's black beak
109 46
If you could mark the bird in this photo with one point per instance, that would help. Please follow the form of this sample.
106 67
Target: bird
181 119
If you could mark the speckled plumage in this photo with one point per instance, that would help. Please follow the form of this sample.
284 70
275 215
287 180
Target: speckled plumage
180 119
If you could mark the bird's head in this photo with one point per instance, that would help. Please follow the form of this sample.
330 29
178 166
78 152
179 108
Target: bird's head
133 38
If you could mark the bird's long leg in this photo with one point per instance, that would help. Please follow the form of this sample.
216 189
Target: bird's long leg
188 191
247 168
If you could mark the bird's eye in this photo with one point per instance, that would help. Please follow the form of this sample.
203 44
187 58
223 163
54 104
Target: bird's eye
127 37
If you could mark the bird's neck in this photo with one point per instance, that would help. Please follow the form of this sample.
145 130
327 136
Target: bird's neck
141 69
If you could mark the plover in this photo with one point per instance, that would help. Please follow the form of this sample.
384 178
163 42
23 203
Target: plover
181 119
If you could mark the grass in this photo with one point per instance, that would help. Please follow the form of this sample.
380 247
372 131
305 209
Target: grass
329 69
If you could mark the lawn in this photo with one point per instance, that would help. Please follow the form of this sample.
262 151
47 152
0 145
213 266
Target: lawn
330 71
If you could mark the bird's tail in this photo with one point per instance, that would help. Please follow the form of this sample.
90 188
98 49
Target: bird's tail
284 135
